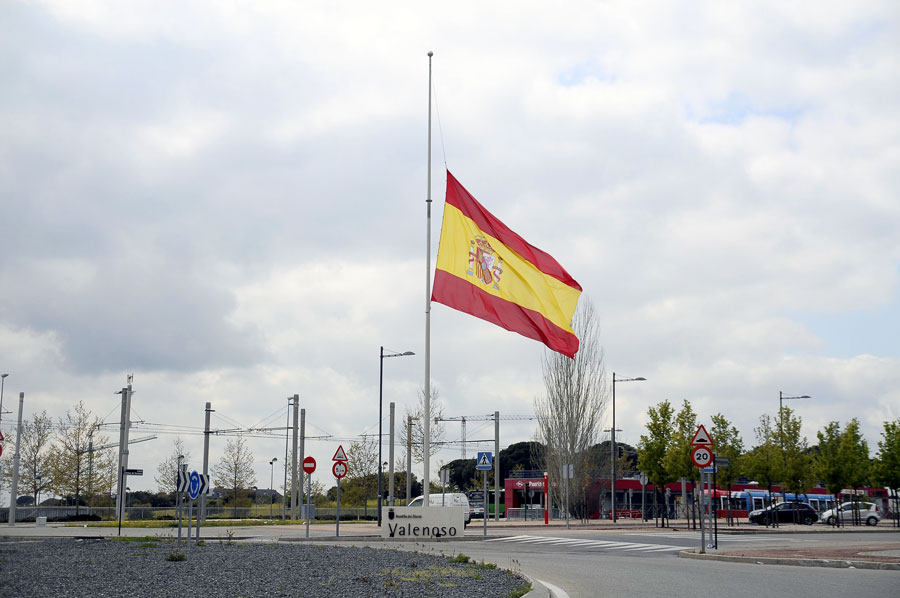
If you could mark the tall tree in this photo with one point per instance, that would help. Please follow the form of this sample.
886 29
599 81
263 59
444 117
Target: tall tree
167 471
728 444
436 431
796 472
887 467
362 469
570 412
34 471
855 453
84 462
678 457
763 462
829 466
234 470
654 445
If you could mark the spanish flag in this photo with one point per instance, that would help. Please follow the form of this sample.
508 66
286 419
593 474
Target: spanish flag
486 270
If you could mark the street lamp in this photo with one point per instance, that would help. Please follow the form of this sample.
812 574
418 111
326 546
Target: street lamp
613 437
380 396
781 399
271 485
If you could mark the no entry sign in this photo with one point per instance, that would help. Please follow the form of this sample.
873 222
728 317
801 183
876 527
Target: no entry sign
309 465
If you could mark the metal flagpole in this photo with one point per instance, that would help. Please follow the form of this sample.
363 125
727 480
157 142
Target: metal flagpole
426 423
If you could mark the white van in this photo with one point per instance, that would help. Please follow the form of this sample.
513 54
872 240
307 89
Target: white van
447 499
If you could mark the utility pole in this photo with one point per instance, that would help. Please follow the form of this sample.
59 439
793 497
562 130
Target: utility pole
302 449
294 458
14 491
124 429
205 458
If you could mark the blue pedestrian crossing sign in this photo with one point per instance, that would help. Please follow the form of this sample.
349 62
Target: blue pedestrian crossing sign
485 461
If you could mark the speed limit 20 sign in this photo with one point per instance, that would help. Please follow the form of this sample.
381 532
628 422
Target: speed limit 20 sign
702 456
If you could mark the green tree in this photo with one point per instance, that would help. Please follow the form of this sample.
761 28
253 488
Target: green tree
763 462
35 475
83 462
855 453
654 445
829 466
796 472
678 457
887 467
362 472
728 444
235 470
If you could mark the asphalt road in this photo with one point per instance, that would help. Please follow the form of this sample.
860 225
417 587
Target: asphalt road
600 560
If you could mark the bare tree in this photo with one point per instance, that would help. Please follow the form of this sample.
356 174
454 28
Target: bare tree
167 472
235 470
570 413
418 431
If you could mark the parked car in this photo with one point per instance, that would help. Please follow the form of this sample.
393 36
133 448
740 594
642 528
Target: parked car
785 512
854 511
448 499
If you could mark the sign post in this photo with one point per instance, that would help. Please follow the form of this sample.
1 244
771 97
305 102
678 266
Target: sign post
485 463
309 466
703 457
339 469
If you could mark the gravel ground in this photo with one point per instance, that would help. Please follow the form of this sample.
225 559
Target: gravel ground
114 568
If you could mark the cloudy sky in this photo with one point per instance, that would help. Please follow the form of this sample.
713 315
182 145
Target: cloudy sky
227 201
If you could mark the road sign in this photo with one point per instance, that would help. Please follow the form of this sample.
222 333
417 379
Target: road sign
309 465
485 461
339 469
1 449
182 483
1 436
701 456
643 479
722 461
134 472
205 488
701 437
339 454
194 485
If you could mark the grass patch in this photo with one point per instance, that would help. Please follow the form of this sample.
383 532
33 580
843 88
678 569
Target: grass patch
460 558
175 556
521 591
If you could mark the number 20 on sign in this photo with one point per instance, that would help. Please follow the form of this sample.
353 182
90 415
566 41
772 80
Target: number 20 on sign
701 456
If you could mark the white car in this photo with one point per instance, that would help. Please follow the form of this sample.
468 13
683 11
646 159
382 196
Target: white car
853 511
447 499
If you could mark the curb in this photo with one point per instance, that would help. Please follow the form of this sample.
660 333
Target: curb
834 564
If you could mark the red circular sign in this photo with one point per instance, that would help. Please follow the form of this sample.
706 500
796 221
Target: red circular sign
309 465
339 469
702 456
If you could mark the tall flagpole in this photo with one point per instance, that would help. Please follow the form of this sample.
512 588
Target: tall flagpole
426 417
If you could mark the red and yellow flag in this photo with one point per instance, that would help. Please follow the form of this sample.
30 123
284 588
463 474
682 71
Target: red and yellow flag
486 270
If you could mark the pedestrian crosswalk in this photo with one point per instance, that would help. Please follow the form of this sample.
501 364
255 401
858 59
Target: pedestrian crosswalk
587 544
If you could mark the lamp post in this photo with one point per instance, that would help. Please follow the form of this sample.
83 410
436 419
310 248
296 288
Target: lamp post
781 399
271 485
613 438
382 355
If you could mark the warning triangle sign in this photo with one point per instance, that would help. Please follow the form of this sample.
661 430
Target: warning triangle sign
1 436
701 437
339 454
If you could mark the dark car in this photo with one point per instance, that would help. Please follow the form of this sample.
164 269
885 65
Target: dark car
785 512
